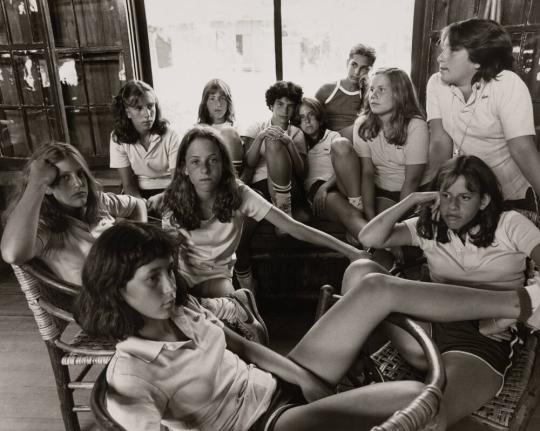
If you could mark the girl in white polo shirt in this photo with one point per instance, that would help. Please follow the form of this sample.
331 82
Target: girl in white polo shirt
470 240
143 147
207 203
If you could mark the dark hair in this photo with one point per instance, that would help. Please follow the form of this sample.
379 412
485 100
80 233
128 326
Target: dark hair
280 89
52 213
100 308
487 43
211 87
129 95
480 179
406 107
180 196
365 51
320 114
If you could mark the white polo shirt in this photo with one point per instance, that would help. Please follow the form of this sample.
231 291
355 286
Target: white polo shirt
496 112
499 266
390 160
194 384
153 167
319 166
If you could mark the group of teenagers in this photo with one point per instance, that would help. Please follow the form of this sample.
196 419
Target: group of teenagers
165 293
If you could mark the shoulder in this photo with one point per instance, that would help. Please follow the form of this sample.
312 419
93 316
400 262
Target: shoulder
324 91
331 135
436 84
507 82
417 125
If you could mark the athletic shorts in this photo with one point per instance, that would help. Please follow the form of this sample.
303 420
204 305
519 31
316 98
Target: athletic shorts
285 397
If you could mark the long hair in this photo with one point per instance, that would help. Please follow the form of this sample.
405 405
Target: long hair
280 89
53 214
100 308
129 95
487 43
480 179
180 196
211 87
320 114
406 107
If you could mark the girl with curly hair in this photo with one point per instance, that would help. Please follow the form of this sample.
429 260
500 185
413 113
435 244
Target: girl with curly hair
470 240
59 210
177 365
143 147
208 205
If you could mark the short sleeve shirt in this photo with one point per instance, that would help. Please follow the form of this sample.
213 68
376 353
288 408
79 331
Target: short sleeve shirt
295 134
498 266
319 159
193 384
496 112
153 167
390 160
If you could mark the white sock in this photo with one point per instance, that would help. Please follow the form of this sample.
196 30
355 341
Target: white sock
356 202
282 198
245 279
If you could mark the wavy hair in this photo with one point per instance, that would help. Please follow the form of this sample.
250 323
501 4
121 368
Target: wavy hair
53 215
130 95
406 107
487 43
280 89
365 51
100 308
211 87
180 196
479 178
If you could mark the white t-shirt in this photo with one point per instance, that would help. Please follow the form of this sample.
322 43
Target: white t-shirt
297 136
194 384
390 160
496 112
498 266
153 167
211 253
319 159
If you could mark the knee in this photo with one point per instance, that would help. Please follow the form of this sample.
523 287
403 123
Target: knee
365 274
232 141
341 148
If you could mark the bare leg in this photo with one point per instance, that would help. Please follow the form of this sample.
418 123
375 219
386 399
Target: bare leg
331 345
233 143
347 132
340 210
278 162
243 252
347 168
213 288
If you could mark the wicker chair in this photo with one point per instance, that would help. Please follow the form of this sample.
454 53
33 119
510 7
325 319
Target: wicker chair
50 300
424 408
99 405
508 411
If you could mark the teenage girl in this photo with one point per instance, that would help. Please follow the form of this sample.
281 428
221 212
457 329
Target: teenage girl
178 366
343 100
208 205
391 139
325 190
143 147
59 210
477 105
217 110
468 240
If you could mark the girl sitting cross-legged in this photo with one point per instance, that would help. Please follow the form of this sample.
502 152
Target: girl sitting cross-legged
209 205
469 240
178 366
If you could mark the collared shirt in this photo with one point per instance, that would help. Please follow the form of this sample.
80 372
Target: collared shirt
390 160
319 159
496 112
212 246
153 167
297 136
65 253
498 266
194 384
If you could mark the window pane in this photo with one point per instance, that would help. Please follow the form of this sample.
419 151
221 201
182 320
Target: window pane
103 74
34 78
13 141
63 23
71 79
80 132
25 21
8 89
189 45
316 47
41 124
102 123
98 22
3 31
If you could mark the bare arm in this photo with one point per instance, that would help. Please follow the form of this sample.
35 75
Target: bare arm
413 176
368 187
129 182
253 151
523 151
306 233
441 145
298 161
322 93
140 212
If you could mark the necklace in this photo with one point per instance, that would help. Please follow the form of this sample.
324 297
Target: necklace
457 147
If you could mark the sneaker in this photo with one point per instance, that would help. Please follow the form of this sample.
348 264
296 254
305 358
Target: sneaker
252 327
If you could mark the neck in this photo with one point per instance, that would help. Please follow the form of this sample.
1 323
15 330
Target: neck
156 329
385 120
350 85
282 124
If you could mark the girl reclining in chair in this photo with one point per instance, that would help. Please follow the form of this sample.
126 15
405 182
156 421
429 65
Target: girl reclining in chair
178 365
468 239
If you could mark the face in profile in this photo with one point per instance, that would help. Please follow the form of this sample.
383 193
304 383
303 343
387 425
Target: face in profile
455 66
217 106
143 113
204 165
71 185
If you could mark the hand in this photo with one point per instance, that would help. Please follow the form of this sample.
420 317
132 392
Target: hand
433 199
155 202
42 172
273 132
319 200
313 388
496 329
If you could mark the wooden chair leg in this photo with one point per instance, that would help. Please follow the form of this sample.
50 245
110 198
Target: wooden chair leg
65 395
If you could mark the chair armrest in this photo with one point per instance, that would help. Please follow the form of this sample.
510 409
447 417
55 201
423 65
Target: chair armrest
39 271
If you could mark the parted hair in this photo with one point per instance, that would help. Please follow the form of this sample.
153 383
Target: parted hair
320 114
487 43
280 89
406 107
480 179
100 308
180 196
129 95
211 87
364 50
53 214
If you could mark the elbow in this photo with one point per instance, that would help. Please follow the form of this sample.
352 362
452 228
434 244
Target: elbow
14 257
